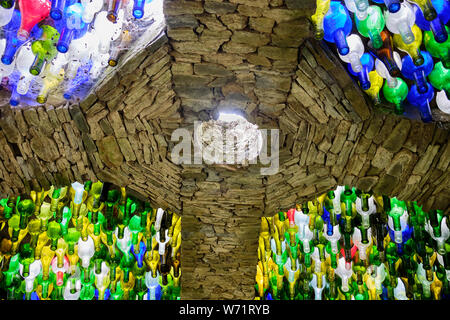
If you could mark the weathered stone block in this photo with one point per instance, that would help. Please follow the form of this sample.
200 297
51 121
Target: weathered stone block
109 152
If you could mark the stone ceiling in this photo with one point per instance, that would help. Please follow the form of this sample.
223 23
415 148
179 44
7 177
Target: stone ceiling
259 57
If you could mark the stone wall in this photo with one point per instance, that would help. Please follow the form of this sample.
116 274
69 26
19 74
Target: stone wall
255 56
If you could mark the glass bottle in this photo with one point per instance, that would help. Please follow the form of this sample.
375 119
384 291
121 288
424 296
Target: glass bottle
436 49
113 8
427 9
413 49
358 7
396 94
33 12
74 28
363 76
440 77
356 51
437 24
337 26
401 22
91 7
422 101
372 26
418 73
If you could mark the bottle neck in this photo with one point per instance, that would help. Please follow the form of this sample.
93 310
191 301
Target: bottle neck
341 41
439 31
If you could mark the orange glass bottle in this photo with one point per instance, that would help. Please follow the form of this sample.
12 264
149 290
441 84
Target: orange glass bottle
385 53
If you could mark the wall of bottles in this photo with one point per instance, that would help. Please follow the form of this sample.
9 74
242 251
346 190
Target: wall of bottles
88 242
349 245
61 47
404 44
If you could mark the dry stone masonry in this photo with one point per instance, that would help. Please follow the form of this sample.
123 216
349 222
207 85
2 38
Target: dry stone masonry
256 56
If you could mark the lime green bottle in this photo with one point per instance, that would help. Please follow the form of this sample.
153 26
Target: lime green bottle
26 257
118 292
34 227
440 77
7 210
25 208
135 228
14 225
54 233
67 215
72 236
438 50
13 270
396 95
372 25
126 264
45 49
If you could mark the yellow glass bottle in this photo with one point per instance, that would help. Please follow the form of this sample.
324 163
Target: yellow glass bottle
413 49
51 81
322 7
46 259
376 83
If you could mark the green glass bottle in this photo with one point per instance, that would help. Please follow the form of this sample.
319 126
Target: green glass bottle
46 285
135 228
372 25
397 210
117 294
126 264
72 236
435 219
396 95
34 228
54 233
333 257
14 225
440 78
87 292
109 224
45 49
12 271
7 211
26 257
67 215
7 4
438 50
25 208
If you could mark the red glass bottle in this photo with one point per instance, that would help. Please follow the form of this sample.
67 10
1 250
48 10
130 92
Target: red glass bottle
33 12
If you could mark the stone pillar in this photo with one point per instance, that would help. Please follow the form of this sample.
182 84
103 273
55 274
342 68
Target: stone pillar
221 220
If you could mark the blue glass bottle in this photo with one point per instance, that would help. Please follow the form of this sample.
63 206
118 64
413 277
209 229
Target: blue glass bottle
138 8
406 235
422 101
326 218
418 73
157 293
337 25
392 5
74 27
437 26
57 9
139 256
106 296
12 42
368 63
15 97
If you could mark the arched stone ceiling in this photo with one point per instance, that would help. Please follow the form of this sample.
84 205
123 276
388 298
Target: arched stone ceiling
257 56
